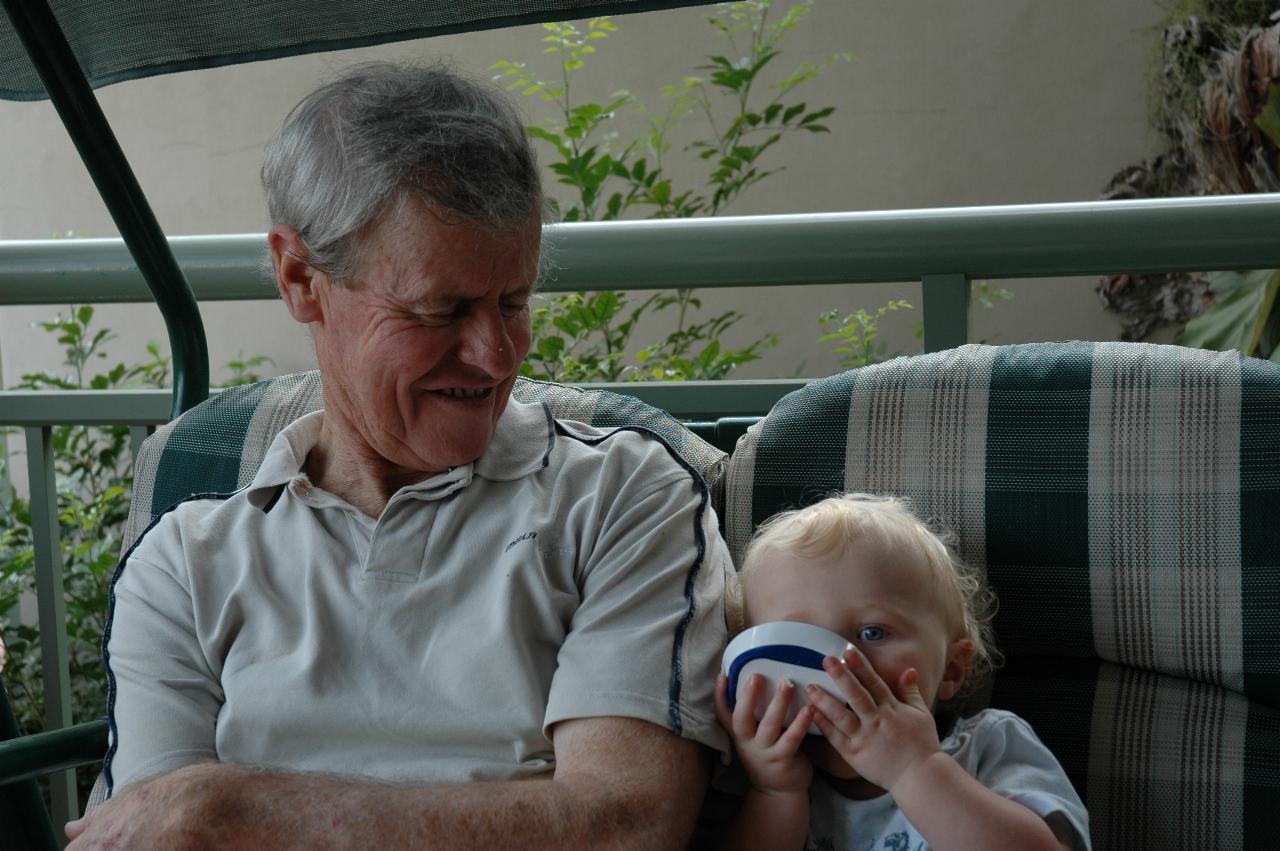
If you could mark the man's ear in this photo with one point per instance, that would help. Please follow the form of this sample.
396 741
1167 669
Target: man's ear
295 277
959 657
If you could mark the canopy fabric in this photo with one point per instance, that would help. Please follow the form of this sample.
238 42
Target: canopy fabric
117 40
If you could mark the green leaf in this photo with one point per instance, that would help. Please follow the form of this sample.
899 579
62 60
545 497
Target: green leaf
551 347
816 115
792 112
546 136
708 354
614 207
85 314
1241 307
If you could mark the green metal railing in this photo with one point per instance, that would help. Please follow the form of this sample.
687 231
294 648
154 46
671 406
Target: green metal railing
944 249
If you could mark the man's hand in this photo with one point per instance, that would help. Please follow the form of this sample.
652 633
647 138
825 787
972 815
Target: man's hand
879 735
158 813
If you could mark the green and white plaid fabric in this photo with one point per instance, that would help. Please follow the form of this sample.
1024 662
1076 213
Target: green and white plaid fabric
217 446
1125 502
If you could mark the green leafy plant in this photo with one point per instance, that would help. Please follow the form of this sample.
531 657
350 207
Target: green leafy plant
987 295
693 350
92 471
243 369
856 338
1244 315
588 337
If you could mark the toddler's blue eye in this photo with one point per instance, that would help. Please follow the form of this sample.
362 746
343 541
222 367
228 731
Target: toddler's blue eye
872 633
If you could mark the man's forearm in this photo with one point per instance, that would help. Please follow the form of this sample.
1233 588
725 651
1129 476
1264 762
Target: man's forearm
619 783
264 809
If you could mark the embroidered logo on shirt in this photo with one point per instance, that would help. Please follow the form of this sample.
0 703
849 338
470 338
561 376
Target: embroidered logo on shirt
527 536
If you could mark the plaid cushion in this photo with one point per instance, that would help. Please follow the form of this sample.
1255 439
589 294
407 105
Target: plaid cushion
216 447
1125 502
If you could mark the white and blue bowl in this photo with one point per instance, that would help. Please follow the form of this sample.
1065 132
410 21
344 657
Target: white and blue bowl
782 650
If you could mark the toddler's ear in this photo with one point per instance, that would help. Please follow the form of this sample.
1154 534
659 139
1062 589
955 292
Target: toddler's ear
959 657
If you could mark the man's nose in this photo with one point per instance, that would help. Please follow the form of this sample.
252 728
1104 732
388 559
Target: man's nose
487 344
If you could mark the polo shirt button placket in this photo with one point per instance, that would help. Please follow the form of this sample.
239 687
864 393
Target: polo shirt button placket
398 539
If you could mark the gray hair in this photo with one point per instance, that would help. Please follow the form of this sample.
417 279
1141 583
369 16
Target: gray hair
356 148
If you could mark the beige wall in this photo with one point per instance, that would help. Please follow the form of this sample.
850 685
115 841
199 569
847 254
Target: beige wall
946 104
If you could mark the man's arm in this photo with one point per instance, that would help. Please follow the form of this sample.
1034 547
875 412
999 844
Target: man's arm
619 783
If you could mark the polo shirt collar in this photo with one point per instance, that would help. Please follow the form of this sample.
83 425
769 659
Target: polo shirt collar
521 445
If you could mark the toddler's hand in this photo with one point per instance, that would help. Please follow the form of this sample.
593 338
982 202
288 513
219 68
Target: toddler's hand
880 736
769 753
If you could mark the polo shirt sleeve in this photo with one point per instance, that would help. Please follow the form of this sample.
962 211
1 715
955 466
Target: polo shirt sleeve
164 697
646 639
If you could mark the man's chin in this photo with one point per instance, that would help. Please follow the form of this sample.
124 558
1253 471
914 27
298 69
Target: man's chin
444 452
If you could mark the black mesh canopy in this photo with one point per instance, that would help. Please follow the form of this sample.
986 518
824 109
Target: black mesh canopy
117 40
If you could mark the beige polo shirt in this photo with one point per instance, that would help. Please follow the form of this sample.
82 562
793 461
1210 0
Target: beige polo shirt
570 572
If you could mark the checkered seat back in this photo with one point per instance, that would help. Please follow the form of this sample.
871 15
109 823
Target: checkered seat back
217 446
1125 502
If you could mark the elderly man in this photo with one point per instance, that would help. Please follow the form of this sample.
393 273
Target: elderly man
437 617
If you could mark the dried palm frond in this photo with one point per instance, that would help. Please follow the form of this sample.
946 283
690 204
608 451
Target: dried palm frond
1232 153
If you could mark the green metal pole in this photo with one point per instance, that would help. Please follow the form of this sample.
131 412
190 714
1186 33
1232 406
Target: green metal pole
946 311
72 96
53 610
41 753
24 822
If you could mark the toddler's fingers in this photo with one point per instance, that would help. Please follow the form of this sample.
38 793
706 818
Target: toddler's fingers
860 700
868 677
744 713
794 734
776 713
909 688
835 712
827 728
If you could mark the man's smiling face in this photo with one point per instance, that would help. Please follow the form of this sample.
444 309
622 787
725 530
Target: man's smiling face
420 350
